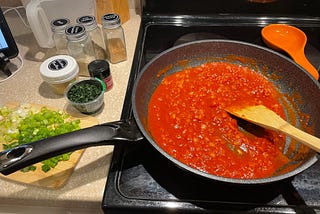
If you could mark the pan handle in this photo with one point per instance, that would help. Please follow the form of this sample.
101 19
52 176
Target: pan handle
104 134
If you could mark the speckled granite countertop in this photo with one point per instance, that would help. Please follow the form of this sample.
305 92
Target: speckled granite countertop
84 190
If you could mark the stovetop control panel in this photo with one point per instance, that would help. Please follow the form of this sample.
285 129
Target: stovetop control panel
266 8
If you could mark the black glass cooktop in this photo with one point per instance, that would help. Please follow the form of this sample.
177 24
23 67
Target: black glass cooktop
142 181
238 8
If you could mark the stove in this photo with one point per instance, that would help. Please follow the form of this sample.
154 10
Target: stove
140 180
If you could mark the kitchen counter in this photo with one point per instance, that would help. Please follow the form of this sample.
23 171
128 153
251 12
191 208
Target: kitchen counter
83 191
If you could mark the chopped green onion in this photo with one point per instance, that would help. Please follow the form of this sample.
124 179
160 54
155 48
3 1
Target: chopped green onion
24 125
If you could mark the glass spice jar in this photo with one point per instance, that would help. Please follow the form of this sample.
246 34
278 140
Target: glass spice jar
114 38
58 27
59 71
100 69
95 33
80 47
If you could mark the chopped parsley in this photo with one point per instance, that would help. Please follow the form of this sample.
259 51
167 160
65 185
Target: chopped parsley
84 91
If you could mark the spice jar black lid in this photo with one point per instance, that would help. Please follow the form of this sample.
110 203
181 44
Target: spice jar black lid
110 21
86 20
89 22
59 24
98 68
75 32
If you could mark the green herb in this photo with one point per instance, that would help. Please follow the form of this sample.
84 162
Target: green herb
21 126
29 168
84 92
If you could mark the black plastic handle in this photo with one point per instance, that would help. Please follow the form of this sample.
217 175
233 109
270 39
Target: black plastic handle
104 134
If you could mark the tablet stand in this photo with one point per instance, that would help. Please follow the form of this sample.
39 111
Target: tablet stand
4 61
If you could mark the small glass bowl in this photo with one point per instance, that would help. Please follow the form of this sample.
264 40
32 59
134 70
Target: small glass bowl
91 106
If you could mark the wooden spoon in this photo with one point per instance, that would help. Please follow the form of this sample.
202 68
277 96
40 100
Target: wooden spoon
291 40
266 118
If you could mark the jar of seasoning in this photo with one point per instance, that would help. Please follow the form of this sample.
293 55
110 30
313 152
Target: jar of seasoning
59 71
95 33
80 47
58 27
100 69
114 38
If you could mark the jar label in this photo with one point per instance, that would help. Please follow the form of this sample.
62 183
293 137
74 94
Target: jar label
86 19
110 17
75 29
57 64
109 82
60 22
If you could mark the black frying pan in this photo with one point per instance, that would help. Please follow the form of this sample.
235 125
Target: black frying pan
301 96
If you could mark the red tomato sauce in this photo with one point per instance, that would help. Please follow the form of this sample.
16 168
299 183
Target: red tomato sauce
187 120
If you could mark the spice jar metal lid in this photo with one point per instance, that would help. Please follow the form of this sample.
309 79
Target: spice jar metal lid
58 25
111 20
89 22
59 69
76 32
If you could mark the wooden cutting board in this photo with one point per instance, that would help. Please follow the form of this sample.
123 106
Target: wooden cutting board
58 176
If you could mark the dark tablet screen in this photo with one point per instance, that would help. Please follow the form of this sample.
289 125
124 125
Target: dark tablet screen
7 44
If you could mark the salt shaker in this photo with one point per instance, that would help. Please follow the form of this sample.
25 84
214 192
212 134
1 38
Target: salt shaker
58 27
114 38
95 33
80 47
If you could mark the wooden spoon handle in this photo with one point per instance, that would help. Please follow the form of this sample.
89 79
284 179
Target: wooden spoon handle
301 136
264 117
